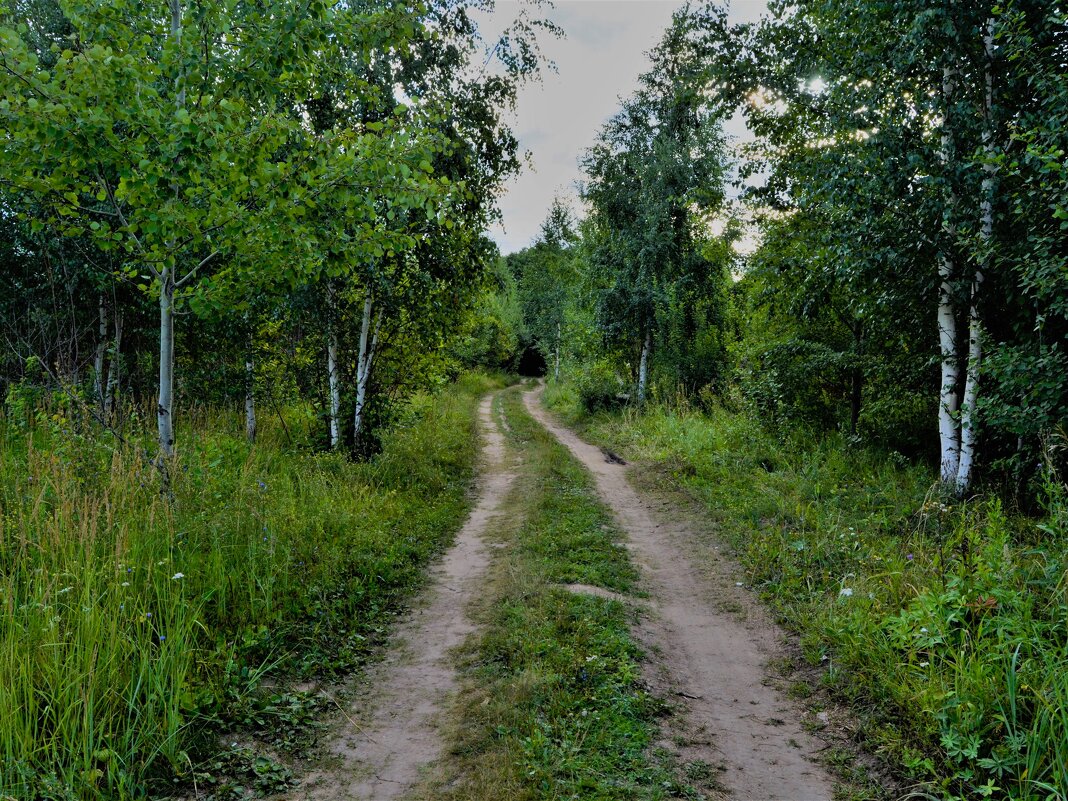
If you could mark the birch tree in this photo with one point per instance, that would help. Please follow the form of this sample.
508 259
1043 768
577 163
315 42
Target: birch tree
156 134
655 177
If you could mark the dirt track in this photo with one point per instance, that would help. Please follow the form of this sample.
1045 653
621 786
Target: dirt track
712 658
390 733
709 644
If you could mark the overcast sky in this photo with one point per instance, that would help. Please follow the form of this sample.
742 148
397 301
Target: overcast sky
598 62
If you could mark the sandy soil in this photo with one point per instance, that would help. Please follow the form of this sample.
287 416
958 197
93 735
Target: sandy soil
389 734
710 645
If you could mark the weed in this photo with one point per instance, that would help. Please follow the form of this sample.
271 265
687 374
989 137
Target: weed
555 707
135 631
945 623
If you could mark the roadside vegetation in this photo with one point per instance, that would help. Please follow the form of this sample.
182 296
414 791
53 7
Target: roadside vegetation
867 392
941 622
140 635
554 706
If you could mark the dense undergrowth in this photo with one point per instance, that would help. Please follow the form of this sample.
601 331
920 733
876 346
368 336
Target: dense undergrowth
946 623
555 708
135 630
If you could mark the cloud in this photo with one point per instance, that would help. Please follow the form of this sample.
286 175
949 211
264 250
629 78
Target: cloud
558 118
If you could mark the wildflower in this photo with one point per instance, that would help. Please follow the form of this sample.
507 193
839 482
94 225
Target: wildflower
263 485
148 614
908 557
923 630
162 637
125 584
845 592
924 664
177 576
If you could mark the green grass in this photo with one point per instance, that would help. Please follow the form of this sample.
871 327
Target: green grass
945 625
555 708
135 630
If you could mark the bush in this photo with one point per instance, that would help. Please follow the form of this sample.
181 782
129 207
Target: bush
599 387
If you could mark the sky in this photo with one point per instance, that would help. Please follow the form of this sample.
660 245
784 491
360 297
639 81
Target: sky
598 62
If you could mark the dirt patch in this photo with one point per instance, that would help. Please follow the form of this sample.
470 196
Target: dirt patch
389 734
710 647
600 592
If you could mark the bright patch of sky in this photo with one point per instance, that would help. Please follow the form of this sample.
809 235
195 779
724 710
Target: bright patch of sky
598 62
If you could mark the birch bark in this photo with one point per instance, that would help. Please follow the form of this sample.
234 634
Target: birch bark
99 387
969 415
643 366
363 365
556 369
335 387
948 431
165 407
167 280
111 394
250 399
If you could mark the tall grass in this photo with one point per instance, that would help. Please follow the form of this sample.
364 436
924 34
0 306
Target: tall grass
946 622
135 628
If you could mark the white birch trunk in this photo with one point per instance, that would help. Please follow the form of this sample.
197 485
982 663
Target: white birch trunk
99 387
335 388
643 366
167 279
250 400
969 418
111 394
363 364
556 369
948 430
165 407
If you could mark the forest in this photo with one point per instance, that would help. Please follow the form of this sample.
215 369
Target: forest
250 308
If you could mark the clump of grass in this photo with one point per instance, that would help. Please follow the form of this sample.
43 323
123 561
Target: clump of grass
555 707
946 622
134 629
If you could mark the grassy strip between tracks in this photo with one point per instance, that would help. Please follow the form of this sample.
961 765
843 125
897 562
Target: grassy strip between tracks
555 707
942 623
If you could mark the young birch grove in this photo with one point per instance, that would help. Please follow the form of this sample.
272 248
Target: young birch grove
246 272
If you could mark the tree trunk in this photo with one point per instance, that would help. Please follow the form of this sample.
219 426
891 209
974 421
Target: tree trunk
363 365
969 416
99 387
855 397
250 398
165 408
167 279
948 431
335 387
111 392
643 366
556 369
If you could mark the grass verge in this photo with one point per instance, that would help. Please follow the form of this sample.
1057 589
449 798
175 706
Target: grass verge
944 624
554 706
136 631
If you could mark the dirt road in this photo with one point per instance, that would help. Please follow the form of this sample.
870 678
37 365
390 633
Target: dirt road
390 733
711 655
